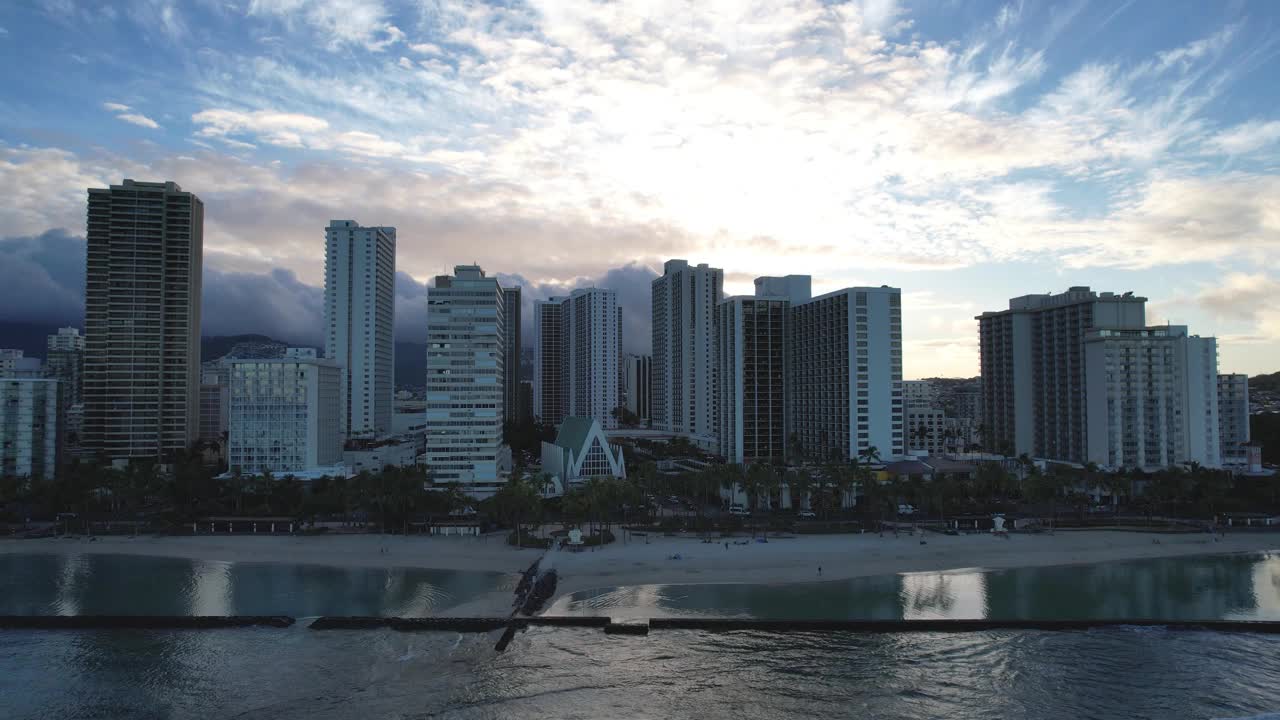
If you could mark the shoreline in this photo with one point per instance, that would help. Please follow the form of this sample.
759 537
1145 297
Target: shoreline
786 560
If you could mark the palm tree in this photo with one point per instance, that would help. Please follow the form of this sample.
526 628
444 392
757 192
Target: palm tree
800 483
870 455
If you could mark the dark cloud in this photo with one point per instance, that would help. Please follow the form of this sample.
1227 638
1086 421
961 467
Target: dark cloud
275 304
42 280
633 284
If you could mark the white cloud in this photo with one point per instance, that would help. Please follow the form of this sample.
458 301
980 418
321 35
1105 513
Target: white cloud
336 22
124 112
138 119
1246 137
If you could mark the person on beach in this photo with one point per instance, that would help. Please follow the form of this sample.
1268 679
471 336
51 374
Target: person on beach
819 571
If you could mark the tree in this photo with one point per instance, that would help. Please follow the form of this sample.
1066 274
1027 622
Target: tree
870 455
800 484
516 502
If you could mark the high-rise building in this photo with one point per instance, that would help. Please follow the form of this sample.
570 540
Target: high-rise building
30 428
846 365
524 403
511 348
684 305
586 358
636 372
1151 398
549 400
591 356
622 377
1032 360
752 373
285 414
465 349
144 248
64 362
67 338
1233 415
360 314
215 403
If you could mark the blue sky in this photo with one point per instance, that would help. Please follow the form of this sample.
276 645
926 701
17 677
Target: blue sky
966 152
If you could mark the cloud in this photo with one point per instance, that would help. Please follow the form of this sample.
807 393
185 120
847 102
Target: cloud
275 303
1246 137
335 23
1242 296
632 283
137 119
124 112
42 278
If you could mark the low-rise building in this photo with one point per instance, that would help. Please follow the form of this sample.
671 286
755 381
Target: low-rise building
285 415
580 452
374 455
926 430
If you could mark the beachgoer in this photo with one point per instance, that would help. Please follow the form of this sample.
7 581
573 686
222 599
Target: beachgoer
819 571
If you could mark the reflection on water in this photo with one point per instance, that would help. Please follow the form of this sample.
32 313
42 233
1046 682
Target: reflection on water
135 585
1237 587
268 674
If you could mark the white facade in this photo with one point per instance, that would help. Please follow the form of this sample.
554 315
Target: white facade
29 427
591 355
1233 415
1032 362
683 378
920 394
285 415
67 338
359 312
581 451
1151 398
465 341
846 366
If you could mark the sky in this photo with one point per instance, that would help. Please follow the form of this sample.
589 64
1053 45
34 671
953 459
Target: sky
965 151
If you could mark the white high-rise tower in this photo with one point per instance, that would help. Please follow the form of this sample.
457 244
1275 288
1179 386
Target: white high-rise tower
465 349
685 301
360 313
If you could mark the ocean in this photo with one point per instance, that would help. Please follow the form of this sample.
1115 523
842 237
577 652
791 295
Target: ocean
581 673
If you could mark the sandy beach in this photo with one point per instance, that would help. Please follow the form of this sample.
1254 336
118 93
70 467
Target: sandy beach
639 560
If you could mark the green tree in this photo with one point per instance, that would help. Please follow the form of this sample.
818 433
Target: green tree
517 502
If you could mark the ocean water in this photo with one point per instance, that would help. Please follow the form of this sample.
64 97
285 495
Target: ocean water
568 673
1242 586
576 673
138 585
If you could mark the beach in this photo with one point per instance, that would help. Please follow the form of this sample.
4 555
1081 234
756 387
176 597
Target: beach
639 560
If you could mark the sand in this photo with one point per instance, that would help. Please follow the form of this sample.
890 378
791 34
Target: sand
639 562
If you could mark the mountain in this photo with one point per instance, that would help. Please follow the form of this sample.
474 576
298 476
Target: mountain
1265 383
